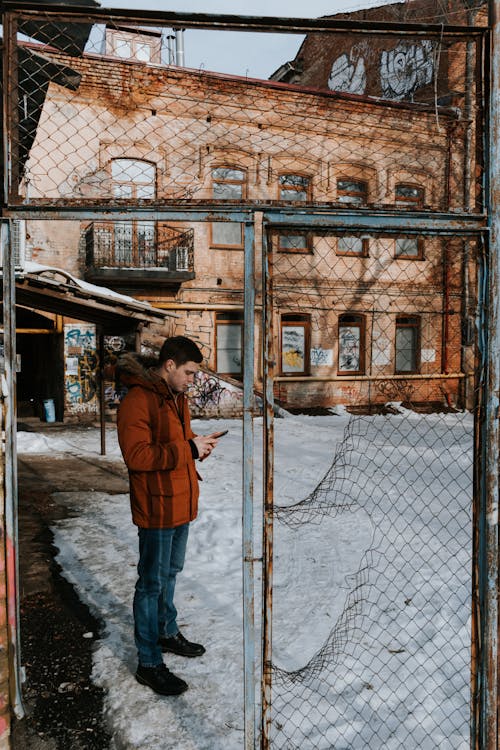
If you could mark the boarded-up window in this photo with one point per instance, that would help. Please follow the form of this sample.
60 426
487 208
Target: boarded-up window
295 344
351 344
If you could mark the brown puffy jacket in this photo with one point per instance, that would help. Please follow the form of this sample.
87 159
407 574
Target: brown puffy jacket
154 429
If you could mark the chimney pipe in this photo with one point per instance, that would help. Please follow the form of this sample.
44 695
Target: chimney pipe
179 48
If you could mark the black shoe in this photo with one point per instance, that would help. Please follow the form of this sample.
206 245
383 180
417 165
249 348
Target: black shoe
161 680
177 644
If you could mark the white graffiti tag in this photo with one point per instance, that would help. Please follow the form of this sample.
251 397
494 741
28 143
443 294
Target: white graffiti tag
347 76
405 69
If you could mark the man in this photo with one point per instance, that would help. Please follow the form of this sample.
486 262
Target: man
159 449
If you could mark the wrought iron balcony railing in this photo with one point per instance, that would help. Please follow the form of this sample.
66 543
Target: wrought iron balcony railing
136 245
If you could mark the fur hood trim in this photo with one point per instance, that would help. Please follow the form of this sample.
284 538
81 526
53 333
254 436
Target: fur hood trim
133 368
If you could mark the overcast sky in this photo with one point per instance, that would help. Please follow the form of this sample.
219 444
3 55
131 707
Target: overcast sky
252 55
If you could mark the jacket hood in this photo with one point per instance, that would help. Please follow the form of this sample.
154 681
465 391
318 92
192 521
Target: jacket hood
139 369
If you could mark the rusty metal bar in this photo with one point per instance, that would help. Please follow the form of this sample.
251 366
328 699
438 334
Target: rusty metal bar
268 487
10 96
322 217
102 399
11 515
248 463
489 438
223 22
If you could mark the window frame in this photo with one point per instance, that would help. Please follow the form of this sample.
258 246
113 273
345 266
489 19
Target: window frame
404 256
401 201
307 247
360 323
415 324
244 184
234 317
296 320
351 196
135 246
296 188
351 254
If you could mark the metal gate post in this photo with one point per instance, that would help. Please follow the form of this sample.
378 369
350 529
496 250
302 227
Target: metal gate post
268 486
11 531
490 432
248 548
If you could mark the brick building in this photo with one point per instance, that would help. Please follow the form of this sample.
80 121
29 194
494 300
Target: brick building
353 311
413 69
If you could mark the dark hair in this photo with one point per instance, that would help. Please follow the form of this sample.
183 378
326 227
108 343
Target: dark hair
181 350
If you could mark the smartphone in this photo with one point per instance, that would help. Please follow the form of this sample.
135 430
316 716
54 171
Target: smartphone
220 434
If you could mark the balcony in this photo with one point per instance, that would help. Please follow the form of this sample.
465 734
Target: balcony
138 253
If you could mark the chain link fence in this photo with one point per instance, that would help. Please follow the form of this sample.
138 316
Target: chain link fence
358 167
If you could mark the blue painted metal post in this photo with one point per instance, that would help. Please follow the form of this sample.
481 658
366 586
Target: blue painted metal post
490 433
267 488
248 462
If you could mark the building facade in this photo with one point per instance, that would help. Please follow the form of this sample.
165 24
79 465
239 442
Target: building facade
353 311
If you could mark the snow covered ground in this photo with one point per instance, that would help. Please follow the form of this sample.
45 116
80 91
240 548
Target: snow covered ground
371 621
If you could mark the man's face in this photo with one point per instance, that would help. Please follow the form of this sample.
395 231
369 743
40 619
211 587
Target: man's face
179 377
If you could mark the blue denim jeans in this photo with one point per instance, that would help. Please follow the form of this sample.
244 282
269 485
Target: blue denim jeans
161 557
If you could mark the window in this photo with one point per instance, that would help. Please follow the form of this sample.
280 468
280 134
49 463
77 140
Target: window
228 183
407 344
134 44
352 246
411 248
294 187
351 344
229 352
296 242
134 241
352 191
295 344
409 196
133 178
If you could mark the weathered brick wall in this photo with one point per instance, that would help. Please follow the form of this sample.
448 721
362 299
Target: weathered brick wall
187 122
386 66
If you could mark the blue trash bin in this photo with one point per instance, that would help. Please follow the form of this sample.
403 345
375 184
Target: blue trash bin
49 410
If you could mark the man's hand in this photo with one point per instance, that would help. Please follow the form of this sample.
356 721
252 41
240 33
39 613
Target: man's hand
205 445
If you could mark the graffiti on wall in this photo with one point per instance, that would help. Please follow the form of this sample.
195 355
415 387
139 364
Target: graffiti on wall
403 70
80 372
321 356
348 75
113 347
406 68
209 393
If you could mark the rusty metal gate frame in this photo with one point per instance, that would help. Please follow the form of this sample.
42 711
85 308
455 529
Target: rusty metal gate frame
484 721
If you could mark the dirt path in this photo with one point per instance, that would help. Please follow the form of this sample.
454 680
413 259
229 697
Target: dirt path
64 708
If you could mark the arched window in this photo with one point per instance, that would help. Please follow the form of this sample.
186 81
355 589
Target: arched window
352 191
409 196
134 241
351 344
